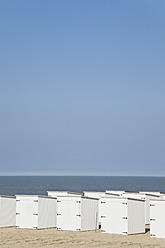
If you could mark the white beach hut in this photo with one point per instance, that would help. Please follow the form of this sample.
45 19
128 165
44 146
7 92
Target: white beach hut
36 212
61 193
99 195
77 213
119 192
157 193
94 194
157 218
7 211
146 197
122 215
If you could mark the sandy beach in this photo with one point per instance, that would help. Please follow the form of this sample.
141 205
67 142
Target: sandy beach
24 238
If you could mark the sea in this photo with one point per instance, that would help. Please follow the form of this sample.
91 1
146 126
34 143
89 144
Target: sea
39 185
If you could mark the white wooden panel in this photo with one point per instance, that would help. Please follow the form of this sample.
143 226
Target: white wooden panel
7 211
114 216
157 218
27 212
47 212
89 214
136 216
69 213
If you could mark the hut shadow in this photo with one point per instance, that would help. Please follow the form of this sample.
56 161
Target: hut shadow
147 229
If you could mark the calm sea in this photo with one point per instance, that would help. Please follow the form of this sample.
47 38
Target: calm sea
11 185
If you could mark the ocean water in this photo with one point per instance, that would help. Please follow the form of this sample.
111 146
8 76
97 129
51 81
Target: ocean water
11 185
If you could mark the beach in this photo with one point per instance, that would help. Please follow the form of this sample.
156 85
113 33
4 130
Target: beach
25 238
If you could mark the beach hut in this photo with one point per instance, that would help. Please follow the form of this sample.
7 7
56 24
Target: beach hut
61 193
157 218
36 212
77 213
122 215
94 194
146 197
99 195
118 192
157 193
7 211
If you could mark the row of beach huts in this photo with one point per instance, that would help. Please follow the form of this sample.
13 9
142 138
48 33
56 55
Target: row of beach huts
118 212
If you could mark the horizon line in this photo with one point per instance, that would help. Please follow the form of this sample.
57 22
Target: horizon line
76 174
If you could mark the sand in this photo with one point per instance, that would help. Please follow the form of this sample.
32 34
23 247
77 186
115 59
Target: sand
24 238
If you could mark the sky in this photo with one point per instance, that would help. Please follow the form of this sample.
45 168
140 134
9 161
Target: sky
82 87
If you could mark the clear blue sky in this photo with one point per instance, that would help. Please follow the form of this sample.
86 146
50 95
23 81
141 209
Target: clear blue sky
82 87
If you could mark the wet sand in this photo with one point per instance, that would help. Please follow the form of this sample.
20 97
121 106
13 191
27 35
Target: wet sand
24 238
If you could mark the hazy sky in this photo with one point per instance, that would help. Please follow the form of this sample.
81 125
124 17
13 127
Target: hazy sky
82 87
